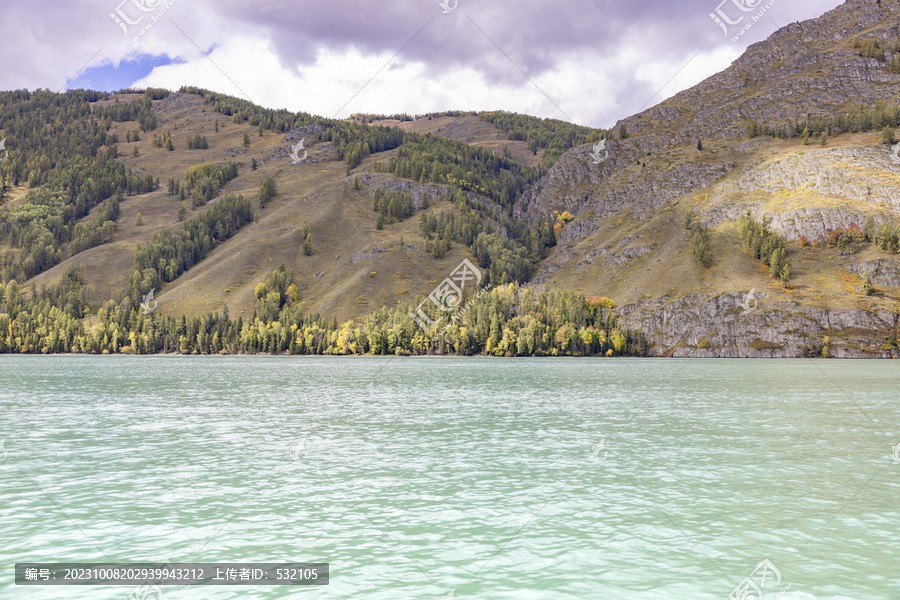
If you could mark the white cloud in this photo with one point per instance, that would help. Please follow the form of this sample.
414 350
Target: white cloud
587 88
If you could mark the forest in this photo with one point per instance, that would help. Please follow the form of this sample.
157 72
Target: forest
62 149
506 321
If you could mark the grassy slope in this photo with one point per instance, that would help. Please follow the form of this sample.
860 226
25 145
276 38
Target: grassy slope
341 220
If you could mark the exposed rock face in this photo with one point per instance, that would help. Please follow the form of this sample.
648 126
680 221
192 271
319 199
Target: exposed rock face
578 185
815 190
725 326
178 105
883 272
797 71
306 131
366 254
320 154
620 258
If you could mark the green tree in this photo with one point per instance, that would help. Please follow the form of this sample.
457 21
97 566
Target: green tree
688 220
869 229
246 140
778 267
700 246
887 135
440 248
306 236
867 288
267 191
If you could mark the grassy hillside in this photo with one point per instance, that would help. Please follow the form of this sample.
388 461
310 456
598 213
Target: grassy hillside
353 268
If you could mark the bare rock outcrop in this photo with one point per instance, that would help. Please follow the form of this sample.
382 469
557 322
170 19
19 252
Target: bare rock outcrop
731 325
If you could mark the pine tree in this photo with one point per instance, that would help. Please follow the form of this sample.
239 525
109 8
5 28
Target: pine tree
307 245
869 231
246 140
867 288
440 249
267 191
700 246
778 267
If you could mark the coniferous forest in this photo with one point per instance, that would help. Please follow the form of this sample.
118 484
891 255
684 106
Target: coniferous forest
506 321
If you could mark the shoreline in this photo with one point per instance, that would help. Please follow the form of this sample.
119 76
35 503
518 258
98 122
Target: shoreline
415 356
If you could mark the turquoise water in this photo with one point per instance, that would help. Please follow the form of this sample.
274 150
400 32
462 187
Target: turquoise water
415 477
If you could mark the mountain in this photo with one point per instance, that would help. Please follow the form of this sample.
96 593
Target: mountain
838 74
796 134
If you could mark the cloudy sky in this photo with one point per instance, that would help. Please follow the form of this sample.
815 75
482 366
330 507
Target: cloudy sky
589 61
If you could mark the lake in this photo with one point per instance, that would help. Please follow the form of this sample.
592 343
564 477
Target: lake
477 478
